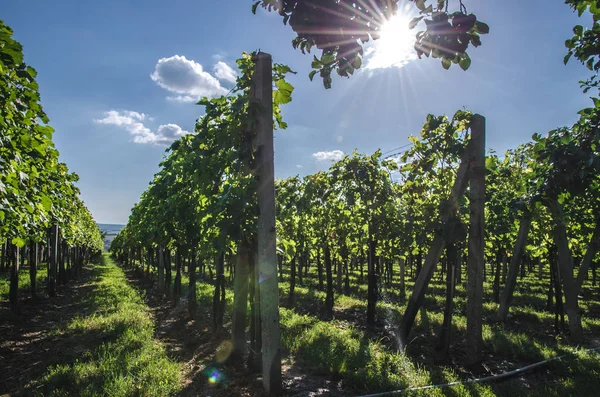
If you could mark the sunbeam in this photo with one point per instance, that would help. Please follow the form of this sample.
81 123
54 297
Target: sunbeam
395 47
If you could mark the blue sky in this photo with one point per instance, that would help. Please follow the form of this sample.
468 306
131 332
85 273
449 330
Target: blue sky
116 75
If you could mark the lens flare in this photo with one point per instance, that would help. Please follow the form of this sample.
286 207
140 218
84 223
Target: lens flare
214 378
395 46
214 375
224 351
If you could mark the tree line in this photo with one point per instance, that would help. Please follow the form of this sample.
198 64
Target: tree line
42 218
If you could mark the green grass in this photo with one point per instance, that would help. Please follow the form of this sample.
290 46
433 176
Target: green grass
119 354
365 360
24 281
337 348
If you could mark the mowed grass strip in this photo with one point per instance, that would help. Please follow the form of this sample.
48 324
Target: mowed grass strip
119 355
364 362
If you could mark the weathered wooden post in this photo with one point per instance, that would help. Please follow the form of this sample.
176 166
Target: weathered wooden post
13 295
565 268
33 262
476 260
192 284
53 260
267 256
511 279
240 301
590 253
161 268
447 209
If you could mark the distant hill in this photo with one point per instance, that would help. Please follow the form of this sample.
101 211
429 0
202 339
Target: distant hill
111 231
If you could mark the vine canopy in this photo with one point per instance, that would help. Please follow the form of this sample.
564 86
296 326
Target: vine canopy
340 29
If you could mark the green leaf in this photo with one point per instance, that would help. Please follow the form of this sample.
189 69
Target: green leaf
567 57
19 242
283 94
414 22
420 4
446 63
590 64
475 40
578 30
311 75
316 63
328 58
32 72
465 62
482 28
46 203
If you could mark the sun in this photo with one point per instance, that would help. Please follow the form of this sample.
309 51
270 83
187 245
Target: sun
395 47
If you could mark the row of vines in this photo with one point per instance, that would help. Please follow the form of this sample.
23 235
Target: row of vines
369 215
42 218
403 218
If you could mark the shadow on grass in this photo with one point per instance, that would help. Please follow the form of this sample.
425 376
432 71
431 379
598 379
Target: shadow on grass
108 347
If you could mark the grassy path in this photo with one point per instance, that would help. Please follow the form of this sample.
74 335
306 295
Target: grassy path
193 344
95 339
112 333
342 357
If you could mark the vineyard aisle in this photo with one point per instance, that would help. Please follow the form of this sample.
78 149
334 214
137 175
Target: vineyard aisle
95 338
202 354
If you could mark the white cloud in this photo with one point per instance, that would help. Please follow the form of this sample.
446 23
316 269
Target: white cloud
187 78
132 122
125 117
224 72
171 131
340 138
182 98
299 166
397 159
333 155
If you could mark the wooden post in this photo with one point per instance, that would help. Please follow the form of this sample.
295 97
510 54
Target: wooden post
13 294
590 253
53 260
565 268
33 247
371 279
511 279
476 260
62 252
240 300
161 268
443 346
3 254
267 256
192 284
177 286
433 255
329 297
402 280
255 353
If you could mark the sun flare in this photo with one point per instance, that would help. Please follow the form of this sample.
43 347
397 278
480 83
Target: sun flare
395 47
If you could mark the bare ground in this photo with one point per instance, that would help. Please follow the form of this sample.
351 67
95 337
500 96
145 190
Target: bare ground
194 345
29 343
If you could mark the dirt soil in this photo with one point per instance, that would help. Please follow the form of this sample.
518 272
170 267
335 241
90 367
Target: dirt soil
28 343
194 345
